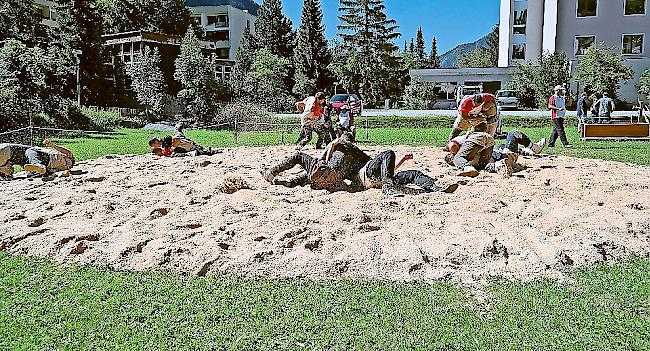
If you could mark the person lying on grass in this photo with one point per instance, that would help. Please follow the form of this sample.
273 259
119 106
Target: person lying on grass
476 151
179 145
345 167
34 160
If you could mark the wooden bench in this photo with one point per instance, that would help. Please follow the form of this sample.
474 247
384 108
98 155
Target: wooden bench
619 131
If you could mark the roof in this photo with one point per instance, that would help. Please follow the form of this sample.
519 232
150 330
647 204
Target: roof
247 5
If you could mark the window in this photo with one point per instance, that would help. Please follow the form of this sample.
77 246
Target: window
519 52
521 18
634 7
587 8
583 43
519 30
632 44
218 20
197 19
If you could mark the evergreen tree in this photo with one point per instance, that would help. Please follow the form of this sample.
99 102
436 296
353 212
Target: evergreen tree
420 47
373 66
79 27
147 80
412 47
273 30
493 45
243 62
201 89
312 56
20 20
434 58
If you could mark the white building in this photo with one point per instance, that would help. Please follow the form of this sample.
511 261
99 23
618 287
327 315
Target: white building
530 27
224 21
47 11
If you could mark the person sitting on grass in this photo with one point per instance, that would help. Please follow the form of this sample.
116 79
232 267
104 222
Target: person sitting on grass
179 145
345 167
35 160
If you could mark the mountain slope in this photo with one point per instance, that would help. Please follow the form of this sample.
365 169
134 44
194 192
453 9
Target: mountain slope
450 58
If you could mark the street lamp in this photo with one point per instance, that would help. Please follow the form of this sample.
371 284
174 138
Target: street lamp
78 53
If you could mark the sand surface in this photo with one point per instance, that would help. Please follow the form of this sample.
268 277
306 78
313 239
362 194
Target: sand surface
144 213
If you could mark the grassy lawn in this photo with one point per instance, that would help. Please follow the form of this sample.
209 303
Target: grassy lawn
47 306
129 141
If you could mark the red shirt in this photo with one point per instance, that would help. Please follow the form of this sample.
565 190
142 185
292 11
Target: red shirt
467 105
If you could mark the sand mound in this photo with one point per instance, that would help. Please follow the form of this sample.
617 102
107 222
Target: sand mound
215 215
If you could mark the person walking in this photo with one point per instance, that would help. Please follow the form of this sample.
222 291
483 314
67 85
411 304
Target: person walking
557 103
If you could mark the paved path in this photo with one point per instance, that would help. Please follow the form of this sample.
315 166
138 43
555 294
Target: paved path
430 113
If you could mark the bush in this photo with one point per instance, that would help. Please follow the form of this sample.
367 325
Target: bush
420 95
103 120
248 116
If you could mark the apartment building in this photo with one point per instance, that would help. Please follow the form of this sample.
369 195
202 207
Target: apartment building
530 27
47 11
224 22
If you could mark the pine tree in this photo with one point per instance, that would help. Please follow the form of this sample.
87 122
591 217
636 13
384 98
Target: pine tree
312 56
243 62
434 58
201 90
273 30
373 67
412 47
147 80
420 47
79 27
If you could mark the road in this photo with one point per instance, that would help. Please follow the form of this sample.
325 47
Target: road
431 113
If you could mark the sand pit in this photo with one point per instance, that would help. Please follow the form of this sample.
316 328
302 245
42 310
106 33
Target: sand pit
181 215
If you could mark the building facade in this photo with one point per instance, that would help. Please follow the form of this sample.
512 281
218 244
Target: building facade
224 22
47 9
530 27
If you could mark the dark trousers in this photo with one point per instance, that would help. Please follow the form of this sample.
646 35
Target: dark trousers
513 140
297 158
417 178
382 167
474 155
305 136
558 131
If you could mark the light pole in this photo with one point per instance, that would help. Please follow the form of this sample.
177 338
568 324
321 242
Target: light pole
77 54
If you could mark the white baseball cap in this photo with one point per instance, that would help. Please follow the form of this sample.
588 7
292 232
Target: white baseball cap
559 87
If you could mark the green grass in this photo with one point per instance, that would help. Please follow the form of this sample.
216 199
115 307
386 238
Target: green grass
48 306
130 141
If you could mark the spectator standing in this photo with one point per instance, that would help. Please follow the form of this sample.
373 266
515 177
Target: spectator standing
582 109
557 103
604 106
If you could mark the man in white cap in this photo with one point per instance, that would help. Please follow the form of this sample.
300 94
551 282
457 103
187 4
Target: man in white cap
557 103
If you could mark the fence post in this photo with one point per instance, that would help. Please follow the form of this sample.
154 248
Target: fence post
367 135
31 130
235 136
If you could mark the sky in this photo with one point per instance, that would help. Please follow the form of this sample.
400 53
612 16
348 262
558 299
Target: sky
449 21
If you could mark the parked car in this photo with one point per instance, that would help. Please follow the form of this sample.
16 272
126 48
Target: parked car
351 100
507 99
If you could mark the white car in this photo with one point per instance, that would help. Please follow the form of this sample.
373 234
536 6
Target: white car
507 99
